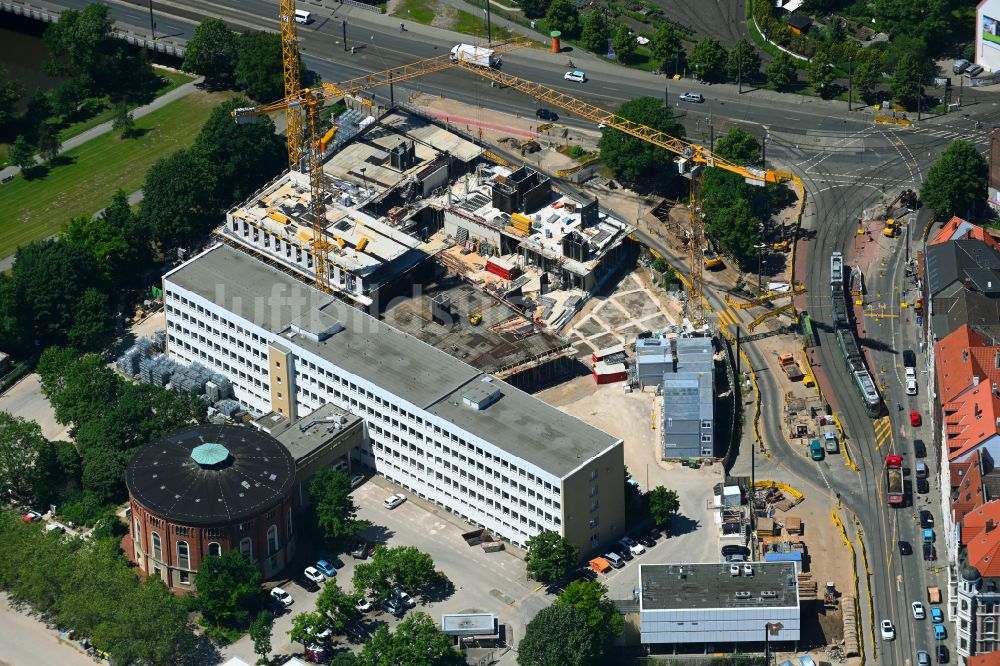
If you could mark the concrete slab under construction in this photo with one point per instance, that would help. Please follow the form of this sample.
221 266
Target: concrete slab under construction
503 344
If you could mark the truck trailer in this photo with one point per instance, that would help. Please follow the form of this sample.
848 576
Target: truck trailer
894 480
476 55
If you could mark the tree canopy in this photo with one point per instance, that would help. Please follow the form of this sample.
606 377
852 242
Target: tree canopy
533 8
559 636
663 505
550 556
781 72
401 565
739 146
336 513
745 59
667 49
956 181
259 70
179 198
229 592
907 78
338 606
562 15
212 53
634 160
594 35
598 613
11 92
624 44
416 642
21 442
709 59
821 72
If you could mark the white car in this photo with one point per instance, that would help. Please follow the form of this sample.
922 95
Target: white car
323 633
393 501
918 611
888 631
633 546
577 76
363 606
692 97
404 597
282 596
911 386
314 574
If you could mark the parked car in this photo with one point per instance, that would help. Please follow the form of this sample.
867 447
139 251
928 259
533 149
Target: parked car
904 548
816 450
316 653
360 551
31 516
888 631
320 633
632 546
960 66
923 487
909 359
393 501
326 568
939 632
393 606
915 419
307 583
929 553
942 654
576 76
937 617
282 596
546 114
926 518
614 559
928 535
918 611
645 540
923 659
623 552
364 605
974 70
692 97
403 596
919 448
911 386
314 574
733 549
357 480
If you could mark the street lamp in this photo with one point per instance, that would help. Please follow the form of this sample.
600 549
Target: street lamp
770 629
364 179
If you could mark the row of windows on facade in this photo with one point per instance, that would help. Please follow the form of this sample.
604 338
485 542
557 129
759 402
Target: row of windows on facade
214 548
469 494
387 405
515 534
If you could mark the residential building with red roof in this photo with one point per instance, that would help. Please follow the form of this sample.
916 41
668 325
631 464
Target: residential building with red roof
957 229
968 383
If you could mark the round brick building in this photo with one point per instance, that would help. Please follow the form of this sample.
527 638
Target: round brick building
204 491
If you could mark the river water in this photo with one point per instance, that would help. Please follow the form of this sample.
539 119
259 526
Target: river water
22 53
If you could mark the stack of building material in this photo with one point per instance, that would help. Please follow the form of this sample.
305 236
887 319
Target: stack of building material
766 527
228 408
807 587
793 524
847 606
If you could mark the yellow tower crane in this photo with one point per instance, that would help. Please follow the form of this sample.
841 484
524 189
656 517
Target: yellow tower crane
305 149
290 64
693 159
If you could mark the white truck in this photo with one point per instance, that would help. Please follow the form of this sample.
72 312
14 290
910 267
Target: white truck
476 55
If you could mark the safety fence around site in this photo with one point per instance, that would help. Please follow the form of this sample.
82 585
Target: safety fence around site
858 643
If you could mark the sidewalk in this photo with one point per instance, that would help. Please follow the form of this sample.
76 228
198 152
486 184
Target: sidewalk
104 128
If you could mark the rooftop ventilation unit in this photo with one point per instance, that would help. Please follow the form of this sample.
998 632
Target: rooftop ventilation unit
768 594
482 396
734 570
743 595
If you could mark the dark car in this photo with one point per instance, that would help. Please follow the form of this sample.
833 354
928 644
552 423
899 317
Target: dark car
275 607
306 584
929 554
919 448
623 552
905 548
360 551
732 549
923 487
926 519
645 540
942 654
909 359
655 533
546 114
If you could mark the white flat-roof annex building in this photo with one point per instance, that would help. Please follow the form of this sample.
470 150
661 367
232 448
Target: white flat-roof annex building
718 604
469 442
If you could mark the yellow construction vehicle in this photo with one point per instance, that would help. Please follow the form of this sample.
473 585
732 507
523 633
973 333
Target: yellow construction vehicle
475 318
692 160
781 246
712 260
891 228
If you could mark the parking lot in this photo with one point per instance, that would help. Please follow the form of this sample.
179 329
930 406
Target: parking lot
483 582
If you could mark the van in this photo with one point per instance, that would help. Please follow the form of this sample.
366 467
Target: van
831 442
302 16
816 450
921 468
614 560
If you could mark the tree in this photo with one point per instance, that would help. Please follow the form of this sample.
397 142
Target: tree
550 556
57 473
179 199
402 565
416 642
835 32
123 121
534 8
666 48
559 636
306 626
116 240
744 59
907 77
104 473
242 157
338 606
624 44
260 634
956 181
562 15
37 114
11 92
49 144
663 505
782 73
22 153
708 57
212 53
94 321
633 160
259 70
20 443
821 72
866 77
589 599
229 591
345 658
739 146
928 20
594 35
336 513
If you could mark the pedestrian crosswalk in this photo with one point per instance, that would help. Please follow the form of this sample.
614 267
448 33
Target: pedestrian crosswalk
726 317
883 431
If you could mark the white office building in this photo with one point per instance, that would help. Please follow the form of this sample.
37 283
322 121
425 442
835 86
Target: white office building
445 431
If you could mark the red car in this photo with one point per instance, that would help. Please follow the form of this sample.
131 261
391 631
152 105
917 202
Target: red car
915 419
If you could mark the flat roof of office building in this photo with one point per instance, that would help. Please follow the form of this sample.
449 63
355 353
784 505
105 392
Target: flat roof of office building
308 434
389 358
689 586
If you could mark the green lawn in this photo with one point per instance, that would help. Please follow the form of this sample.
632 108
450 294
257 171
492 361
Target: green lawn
36 209
415 10
425 11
